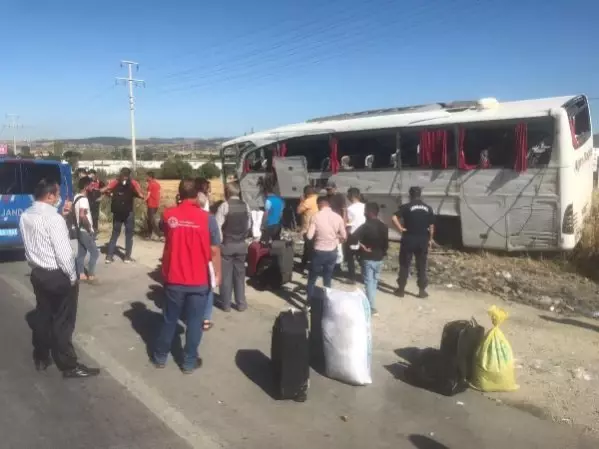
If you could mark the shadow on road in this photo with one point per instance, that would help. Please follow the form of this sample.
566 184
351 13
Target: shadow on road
571 322
257 368
422 442
147 324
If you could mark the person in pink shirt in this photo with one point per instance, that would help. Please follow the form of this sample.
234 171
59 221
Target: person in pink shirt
326 230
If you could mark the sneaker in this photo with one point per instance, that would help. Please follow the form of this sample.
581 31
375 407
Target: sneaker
399 292
109 260
422 294
191 369
128 260
374 312
241 307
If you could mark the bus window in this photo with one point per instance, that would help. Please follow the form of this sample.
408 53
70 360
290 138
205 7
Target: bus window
9 178
540 142
580 121
314 148
367 150
490 146
409 146
32 173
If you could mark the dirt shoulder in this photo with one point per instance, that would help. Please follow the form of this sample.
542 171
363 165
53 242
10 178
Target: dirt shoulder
557 356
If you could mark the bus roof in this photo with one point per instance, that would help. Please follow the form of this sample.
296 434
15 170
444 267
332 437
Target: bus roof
437 114
32 161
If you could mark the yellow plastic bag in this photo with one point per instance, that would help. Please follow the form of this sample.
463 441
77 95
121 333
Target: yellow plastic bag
494 359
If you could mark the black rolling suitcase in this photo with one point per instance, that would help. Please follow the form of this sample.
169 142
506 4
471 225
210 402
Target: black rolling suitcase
290 356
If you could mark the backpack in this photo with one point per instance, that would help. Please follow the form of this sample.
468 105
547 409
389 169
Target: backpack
71 220
122 200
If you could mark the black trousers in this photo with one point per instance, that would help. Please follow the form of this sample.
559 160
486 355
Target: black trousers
350 257
308 251
151 221
413 247
55 315
94 209
270 233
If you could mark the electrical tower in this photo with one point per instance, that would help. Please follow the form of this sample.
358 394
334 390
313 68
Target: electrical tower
13 123
131 82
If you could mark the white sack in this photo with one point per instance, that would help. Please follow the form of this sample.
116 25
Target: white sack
257 223
339 254
347 336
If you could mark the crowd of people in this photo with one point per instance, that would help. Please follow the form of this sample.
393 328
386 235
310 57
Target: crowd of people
201 251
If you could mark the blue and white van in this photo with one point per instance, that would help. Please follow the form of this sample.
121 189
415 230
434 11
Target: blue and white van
18 178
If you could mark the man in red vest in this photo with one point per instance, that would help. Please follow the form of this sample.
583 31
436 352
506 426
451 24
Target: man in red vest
192 240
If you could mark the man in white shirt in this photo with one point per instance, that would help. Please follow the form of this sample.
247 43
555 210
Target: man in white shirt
355 219
86 243
54 279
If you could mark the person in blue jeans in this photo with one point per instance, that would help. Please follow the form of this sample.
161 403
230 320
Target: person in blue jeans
273 212
85 233
373 240
190 244
123 192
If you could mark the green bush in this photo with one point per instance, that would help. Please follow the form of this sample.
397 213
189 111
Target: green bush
209 170
175 169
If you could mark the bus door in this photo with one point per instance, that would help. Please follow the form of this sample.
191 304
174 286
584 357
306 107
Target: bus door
292 175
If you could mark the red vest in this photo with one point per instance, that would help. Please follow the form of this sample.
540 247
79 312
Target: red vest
187 245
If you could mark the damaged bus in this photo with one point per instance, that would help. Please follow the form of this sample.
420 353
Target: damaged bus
511 176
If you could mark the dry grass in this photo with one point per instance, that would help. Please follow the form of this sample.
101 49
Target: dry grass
169 189
586 254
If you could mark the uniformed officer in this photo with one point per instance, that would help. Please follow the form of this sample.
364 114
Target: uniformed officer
415 221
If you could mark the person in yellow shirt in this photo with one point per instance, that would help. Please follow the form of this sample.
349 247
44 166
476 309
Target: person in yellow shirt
307 209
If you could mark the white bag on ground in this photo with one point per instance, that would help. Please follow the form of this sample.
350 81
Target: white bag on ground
347 336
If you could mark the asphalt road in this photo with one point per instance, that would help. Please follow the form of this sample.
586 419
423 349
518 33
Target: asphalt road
42 410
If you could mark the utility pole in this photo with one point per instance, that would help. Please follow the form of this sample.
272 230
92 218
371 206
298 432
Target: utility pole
131 82
14 125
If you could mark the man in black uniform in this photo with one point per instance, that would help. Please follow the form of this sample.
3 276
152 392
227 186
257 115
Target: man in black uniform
415 221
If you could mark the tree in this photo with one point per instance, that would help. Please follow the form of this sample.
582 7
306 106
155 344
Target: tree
209 170
175 169
72 157
58 148
146 156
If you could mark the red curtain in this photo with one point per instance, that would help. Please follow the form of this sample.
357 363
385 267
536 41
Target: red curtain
433 148
521 163
283 150
573 132
462 165
334 146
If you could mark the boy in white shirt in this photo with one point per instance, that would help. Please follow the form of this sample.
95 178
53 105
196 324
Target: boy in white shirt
85 233
355 219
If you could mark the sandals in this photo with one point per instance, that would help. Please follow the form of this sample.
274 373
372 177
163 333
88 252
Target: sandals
207 325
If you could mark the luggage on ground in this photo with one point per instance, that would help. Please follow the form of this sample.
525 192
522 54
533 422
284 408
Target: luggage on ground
256 251
270 265
494 360
347 336
316 307
290 355
282 253
447 370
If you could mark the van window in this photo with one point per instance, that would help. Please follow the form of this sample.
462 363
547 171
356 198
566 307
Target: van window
9 179
32 174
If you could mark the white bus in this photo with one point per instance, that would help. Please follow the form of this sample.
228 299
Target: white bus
511 175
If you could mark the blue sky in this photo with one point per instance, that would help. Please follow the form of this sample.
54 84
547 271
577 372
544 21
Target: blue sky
223 68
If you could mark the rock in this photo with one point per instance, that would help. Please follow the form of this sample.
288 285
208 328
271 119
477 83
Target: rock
581 374
544 301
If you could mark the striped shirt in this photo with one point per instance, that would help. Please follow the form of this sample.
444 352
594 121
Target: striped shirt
46 239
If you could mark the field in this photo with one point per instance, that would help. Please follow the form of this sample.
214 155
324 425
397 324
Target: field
169 188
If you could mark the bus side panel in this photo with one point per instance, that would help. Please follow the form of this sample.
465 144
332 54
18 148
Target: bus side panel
503 209
439 189
251 192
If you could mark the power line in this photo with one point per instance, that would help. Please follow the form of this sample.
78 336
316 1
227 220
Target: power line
131 82
329 56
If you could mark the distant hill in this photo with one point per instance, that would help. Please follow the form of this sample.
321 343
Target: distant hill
122 141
